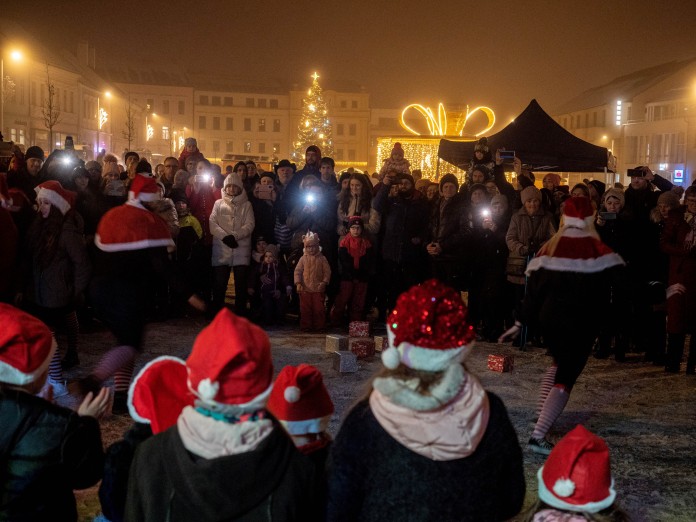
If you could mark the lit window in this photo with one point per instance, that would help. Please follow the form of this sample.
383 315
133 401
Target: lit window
165 133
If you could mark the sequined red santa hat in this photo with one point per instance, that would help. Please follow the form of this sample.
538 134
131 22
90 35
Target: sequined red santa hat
428 329
144 188
26 346
54 193
577 474
159 393
300 401
576 247
230 364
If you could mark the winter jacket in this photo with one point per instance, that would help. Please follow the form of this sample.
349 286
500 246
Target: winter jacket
311 271
322 221
681 308
403 220
201 204
68 273
639 203
526 234
47 452
487 485
273 482
232 216
371 219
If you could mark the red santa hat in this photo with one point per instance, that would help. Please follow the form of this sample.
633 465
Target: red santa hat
131 227
230 364
428 329
299 400
144 188
26 346
159 393
53 192
575 247
577 475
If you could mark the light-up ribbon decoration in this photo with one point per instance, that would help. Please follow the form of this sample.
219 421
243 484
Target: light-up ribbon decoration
437 126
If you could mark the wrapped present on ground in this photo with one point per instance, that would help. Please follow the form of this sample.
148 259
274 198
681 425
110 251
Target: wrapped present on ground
381 342
362 348
500 363
359 329
345 362
335 343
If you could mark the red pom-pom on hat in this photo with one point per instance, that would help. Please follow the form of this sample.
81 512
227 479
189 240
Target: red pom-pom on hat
428 327
577 474
300 400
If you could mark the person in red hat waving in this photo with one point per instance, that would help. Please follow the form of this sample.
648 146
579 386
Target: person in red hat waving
132 244
568 293
575 483
428 443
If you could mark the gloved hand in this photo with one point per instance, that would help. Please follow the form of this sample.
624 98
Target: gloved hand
230 241
510 333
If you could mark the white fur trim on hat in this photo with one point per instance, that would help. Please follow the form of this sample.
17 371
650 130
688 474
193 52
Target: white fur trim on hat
292 394
131 409
552 499
144 196
574 222
54 198
11 375
419 358
254 404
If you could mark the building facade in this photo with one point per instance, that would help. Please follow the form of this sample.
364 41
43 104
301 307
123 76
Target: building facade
645 118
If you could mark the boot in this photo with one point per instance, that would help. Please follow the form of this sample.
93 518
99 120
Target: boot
691 360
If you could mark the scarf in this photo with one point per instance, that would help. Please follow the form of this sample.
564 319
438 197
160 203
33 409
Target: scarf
210 438
356 246
446 425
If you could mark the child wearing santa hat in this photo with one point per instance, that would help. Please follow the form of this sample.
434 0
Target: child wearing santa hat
301 402
55 271
312 275
575 483
226 458
47 450
568 294
429 442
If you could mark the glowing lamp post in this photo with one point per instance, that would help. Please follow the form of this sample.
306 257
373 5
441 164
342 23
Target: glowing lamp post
15 56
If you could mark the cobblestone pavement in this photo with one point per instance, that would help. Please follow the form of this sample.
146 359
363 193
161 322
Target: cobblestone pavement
646 416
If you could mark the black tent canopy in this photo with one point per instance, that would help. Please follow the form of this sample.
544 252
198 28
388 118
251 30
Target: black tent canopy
540 142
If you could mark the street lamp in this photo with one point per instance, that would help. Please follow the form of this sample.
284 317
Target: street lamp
16 56
102 117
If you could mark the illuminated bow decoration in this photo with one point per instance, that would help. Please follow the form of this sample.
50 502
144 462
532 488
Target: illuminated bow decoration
437 126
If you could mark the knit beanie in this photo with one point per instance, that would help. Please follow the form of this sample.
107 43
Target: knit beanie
448 178
598 186
615 193
530 192
668 198
34 152
190 141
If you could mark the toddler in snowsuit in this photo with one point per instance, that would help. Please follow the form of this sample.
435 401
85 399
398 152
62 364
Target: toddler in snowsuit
271 286
312 275
355 259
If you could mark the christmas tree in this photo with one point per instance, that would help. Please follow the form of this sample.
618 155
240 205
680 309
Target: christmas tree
314 127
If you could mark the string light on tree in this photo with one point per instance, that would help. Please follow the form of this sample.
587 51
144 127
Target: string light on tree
315 126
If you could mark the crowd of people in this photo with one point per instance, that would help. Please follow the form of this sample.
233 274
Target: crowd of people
132 244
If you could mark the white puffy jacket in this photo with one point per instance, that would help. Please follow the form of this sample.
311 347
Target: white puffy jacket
232 216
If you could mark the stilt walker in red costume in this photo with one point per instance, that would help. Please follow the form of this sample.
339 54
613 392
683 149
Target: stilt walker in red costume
567 294
132 243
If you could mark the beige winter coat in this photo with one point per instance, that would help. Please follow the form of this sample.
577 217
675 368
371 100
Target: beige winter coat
311 271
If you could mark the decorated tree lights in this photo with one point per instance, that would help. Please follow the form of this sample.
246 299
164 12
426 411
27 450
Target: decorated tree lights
314 127
421 146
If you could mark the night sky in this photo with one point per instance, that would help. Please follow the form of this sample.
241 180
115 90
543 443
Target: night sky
498 53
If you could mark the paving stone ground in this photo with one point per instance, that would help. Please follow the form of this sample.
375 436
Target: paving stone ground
647 417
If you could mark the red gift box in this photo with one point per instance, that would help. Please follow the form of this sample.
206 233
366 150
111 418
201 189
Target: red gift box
363 348
359 329
500 363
